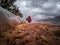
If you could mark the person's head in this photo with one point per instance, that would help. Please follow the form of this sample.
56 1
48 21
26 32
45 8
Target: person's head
29 16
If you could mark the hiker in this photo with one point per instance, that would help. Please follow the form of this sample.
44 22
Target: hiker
28 19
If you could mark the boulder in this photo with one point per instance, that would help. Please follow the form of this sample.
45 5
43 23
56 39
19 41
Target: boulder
7 17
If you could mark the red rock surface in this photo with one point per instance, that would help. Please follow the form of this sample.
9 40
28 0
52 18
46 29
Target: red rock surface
30 34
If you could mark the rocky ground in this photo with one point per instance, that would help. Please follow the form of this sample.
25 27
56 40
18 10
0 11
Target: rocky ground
30 34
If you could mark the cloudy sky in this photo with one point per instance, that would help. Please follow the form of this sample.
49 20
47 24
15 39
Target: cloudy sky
39 9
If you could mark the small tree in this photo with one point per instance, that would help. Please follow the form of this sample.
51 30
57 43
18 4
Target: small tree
9 5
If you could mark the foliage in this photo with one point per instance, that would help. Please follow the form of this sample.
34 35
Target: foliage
9 5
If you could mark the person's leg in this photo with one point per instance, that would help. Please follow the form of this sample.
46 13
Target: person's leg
29 21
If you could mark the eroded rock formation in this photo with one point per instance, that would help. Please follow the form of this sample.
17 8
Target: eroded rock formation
26 33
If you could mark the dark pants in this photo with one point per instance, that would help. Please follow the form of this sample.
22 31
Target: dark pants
29 21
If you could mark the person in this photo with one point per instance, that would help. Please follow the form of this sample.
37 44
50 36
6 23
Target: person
28 19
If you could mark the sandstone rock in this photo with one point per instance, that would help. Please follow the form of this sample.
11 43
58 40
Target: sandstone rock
9 18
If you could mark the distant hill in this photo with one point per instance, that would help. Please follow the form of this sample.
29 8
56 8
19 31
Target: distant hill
51 20
57 18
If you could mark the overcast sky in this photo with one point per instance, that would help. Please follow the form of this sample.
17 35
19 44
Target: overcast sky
39 9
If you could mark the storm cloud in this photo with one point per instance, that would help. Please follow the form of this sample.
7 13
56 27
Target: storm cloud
39 9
